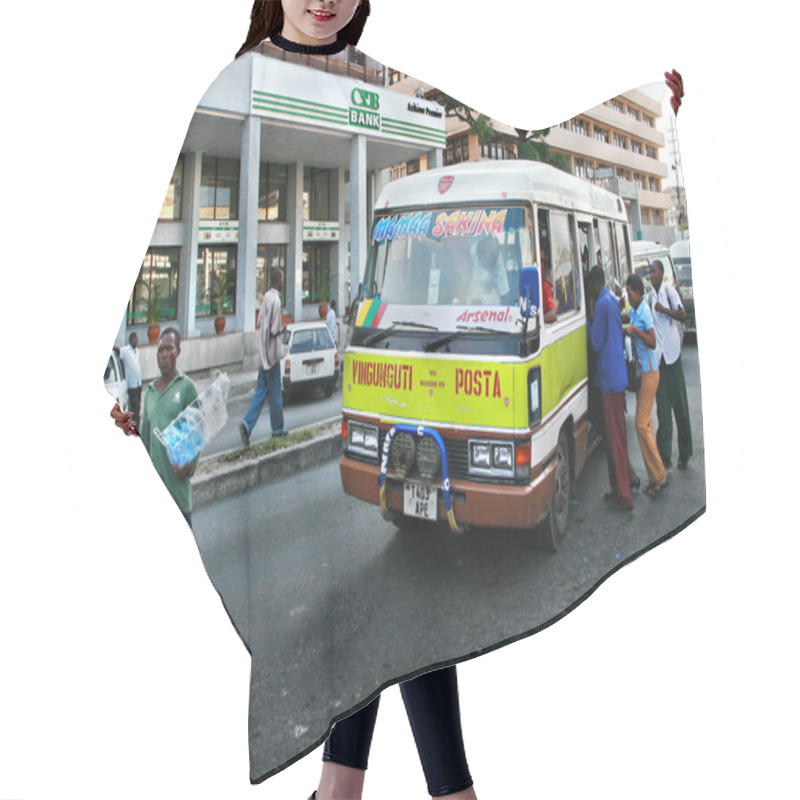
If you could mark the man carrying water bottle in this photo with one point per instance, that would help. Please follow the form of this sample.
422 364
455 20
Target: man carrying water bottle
164 399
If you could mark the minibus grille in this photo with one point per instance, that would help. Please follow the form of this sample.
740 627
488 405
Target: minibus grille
457 458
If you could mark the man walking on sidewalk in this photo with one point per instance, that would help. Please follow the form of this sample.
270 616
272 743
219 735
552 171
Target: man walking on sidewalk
668 313
271 350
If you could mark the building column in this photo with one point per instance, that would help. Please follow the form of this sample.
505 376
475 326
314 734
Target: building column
436 158
187 281
294 252
358 211
247 251
339 280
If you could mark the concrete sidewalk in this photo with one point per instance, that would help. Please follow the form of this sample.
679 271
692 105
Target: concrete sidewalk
239 470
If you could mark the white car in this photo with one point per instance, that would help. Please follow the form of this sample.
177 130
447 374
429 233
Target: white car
312 360
114 379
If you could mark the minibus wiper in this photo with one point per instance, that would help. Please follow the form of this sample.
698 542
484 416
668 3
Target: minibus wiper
382 334
443 340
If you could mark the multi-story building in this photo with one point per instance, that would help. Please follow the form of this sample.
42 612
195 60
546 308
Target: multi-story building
615 144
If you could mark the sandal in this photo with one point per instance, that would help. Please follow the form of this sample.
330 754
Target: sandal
655 489
635 484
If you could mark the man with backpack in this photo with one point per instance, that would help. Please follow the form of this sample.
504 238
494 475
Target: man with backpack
668 314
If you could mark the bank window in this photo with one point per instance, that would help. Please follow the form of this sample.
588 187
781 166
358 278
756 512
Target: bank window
654 184
650 152
273 191
617 105
648 120
623 174
620 141
633 113
219 188
216 281
636 147
268 256
171 209
319 194
601 134
157 284
316 273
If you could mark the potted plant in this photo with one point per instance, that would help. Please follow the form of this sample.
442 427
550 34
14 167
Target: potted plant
153 312
221 305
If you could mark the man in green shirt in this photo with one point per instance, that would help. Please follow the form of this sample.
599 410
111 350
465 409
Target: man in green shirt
165 398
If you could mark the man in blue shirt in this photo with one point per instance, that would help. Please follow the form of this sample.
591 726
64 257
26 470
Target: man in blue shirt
605 338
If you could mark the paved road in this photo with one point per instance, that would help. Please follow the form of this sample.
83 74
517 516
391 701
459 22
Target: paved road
334 601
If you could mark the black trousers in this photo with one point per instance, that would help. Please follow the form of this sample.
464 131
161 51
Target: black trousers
431 702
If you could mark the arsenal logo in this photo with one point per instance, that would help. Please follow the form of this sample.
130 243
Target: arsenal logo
445 183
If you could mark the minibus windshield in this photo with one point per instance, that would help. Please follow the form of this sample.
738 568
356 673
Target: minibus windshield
469 255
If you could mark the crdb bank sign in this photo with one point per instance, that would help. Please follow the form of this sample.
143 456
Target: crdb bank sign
365 109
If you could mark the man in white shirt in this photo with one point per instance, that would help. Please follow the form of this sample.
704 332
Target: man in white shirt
668 314
271 350
330 322
129 356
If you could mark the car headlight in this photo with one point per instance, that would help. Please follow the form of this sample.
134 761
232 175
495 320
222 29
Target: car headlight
363 439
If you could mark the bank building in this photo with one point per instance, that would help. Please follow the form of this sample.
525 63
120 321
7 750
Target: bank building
281 165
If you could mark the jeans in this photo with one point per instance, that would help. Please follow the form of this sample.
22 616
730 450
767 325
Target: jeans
269 385
431 701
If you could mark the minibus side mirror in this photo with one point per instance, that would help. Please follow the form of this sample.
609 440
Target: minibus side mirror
528 291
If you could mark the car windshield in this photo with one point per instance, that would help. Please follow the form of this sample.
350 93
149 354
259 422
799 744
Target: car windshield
457 255
684 269
309 339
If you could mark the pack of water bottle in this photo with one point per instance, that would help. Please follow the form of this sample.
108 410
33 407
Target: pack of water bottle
183 438
186 436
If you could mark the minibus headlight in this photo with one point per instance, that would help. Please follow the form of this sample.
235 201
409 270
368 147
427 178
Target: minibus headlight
503 457
480 456
491 459
429 459
363 439
402 453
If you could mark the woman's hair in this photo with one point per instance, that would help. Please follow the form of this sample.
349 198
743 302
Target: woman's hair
636 283
266 19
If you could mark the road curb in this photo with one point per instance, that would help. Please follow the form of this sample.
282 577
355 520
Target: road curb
225 480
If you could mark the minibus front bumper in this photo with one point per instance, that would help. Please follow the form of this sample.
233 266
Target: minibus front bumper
475 503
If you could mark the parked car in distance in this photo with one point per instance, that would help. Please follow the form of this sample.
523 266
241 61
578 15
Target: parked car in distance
312 360
682 258
114 379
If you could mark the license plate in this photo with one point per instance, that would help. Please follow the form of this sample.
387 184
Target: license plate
420 501
312 369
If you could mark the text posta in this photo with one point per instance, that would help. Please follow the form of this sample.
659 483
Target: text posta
478 382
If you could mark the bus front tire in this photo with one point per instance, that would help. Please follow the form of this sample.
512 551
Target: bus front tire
553 529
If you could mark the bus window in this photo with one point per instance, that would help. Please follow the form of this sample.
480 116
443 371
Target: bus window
606 255
585 246
623 250
565 266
